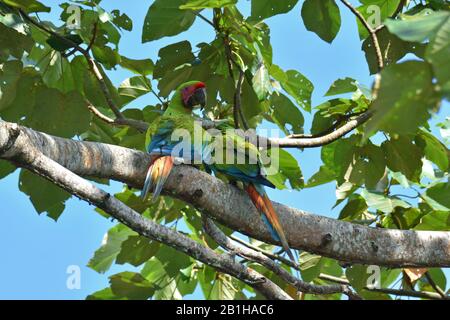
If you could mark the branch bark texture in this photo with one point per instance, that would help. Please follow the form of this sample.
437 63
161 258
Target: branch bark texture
230 206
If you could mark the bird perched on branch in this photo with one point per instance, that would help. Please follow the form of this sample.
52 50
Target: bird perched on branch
176 122
240 160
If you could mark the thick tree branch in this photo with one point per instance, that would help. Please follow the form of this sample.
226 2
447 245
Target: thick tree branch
30 157
231 207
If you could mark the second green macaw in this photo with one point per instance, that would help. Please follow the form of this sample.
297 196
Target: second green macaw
240 160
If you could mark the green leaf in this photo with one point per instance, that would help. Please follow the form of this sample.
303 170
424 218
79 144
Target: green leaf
9 76
435 220
202 4
107 56
440 193
341 86
392 49
131 285
136 250
381 202
298 86
403 156
322 17
122 20
262 9
6 168
285 168
44 195
62 45
133 88
143 67
419 27
173 56
63 115
375 12
165 18
434 150
284 112
403 106
104 294
13 43
361 276
111 246
324 175
28 5
310 266
261 83
438 54
354 209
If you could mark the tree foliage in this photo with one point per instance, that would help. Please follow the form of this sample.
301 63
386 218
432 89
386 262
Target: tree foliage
391 172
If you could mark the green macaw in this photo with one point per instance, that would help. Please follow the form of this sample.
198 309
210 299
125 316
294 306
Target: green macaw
240 160
162 147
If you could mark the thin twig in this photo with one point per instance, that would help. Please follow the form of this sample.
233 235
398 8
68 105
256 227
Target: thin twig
269 254
371 31
396 292
137 124
237 102
252 255
435 286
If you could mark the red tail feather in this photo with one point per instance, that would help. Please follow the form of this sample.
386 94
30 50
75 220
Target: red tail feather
157 175
264 205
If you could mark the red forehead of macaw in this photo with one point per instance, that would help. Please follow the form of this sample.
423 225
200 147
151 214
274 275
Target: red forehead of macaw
188 91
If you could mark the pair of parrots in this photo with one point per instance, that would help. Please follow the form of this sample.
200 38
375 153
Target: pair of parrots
163 149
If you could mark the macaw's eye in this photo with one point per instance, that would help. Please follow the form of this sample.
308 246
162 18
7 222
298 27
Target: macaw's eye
198 98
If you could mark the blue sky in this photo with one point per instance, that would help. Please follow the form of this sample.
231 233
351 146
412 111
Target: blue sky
36 251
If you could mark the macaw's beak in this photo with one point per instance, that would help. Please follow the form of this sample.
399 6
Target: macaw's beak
198 98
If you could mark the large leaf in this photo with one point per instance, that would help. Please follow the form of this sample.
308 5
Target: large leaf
262 9
136 250
341 86
440 193
402 155
375 12
419 27
392 49
28 5
132 286
133 88
201 4
44 195
165 18
296 85
59 114
402 106
261 83
143 67
381 202
438 54
322 17
172 56
435 220
111 246
285 114
434 149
